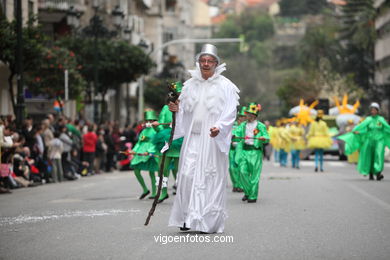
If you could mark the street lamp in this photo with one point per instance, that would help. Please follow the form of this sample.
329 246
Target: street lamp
20 105
118 16
73 17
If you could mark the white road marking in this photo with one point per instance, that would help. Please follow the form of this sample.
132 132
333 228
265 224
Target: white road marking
330 163
374 199
22 219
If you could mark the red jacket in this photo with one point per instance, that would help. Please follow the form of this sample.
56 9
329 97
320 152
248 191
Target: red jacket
89 140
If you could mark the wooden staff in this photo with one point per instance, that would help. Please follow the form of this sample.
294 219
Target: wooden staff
172 97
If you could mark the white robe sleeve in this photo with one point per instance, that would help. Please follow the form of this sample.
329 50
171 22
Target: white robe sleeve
179 127
226 120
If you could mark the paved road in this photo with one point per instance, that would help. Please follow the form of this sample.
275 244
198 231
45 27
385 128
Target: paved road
337 214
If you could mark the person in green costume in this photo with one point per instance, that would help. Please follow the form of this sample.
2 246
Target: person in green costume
160 139
370 137
249 152
145 158
233 166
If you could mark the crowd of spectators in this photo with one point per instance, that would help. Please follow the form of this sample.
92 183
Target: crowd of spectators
58 149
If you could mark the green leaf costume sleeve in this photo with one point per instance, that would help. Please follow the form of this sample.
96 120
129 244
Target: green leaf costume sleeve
262 133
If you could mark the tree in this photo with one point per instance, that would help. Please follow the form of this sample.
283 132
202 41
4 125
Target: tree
32 49
156 92
358 32
255 25
118 63
48 78
301 7
296 87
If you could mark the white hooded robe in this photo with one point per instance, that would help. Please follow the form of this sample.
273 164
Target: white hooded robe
203 166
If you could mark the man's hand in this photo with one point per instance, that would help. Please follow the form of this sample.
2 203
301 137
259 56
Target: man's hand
16 144
155 123
356 132
262 138
214 131
173 107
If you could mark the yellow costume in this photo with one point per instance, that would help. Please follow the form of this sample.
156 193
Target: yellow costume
297 134
284 145
274 137
318 136
284 139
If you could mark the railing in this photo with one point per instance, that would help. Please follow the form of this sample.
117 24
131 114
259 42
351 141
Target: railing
62 5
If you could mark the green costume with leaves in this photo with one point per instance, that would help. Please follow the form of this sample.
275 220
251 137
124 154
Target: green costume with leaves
249 153
233 166
161 138
373 137
146 162
250 158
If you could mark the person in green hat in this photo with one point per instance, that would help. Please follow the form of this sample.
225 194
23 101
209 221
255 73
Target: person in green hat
164 129
249 152
145 158
233 167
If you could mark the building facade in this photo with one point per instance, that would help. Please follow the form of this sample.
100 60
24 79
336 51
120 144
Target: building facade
7 8
145 23
382 50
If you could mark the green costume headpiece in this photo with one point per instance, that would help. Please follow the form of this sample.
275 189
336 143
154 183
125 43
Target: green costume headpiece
242 111
150 115
253 108
178 86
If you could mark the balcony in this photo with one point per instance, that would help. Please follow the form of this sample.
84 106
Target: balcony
61 5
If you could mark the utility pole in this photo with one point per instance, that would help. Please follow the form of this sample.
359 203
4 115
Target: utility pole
20 105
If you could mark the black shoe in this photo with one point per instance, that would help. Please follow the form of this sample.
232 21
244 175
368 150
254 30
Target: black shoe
371 177
322 170
252 201
161 200
240 190
245 198
144 195
379 176
184 228
316 169
152 197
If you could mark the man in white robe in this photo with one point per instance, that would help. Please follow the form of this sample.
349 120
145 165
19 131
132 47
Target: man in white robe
206 111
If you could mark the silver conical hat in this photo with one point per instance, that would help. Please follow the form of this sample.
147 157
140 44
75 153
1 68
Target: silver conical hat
208 49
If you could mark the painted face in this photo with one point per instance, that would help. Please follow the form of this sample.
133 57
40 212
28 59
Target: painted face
207 65
251 117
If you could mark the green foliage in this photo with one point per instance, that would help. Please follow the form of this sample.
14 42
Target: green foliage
156 92
261 52
295 87
48 78
301 7
32 49
32 44
359 34
255 25
117 61
320 41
